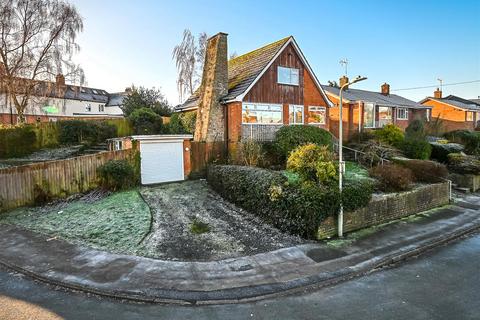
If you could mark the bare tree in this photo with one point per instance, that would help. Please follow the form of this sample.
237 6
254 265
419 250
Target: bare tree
189 58
37 42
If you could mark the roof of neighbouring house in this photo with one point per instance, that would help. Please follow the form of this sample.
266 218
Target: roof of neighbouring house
116 99
244 70
477 101
389 100
457 102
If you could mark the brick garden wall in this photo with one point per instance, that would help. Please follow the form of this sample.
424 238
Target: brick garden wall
389 207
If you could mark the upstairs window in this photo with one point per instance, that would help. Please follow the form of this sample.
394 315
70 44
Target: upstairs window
295 114
88 107
317 115
288 76
261 113
101 108
402 114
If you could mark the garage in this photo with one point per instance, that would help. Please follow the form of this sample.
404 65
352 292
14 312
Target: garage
162 157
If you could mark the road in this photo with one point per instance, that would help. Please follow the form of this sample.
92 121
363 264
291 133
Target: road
442 284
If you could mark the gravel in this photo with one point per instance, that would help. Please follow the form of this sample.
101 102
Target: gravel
233 231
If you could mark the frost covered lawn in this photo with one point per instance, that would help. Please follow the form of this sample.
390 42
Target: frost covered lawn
184 221
115 223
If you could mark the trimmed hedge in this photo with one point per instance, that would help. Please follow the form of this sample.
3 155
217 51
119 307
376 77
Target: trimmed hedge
296 208
288 138
17 142
81 131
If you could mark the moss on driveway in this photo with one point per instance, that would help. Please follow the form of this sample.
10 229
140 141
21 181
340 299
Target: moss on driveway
115 223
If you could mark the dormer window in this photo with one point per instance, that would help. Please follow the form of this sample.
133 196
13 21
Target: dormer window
288 76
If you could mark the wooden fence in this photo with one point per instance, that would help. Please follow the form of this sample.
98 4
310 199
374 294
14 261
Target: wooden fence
19 185
203 153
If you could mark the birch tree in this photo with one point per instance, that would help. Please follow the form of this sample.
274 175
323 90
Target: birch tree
37 42
189 58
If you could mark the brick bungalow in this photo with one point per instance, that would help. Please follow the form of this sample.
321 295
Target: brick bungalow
253 95
369 109
455 112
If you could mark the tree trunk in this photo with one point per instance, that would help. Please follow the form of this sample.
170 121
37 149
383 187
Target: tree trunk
20 107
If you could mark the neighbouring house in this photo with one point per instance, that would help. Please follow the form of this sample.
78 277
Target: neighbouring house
253 95
456 113
364 109
58 100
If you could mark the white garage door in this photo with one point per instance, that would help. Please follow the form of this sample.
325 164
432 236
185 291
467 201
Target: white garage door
161 161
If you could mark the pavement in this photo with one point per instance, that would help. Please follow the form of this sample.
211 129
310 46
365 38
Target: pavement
440 284
244 279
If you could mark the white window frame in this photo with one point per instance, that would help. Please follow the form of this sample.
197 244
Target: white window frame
295 107
374 109
428 114
290 70
88 107
317 108
405 116
101 108
264 104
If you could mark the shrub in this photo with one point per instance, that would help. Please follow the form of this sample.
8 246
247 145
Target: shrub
390 134
416 149
295 208
312 163
440 151
392 177
415 130
470 139
251 153
82 131
146 121
362 136
116 175
356 194
17 141
463 164
373 152
426 171
290 137
435 127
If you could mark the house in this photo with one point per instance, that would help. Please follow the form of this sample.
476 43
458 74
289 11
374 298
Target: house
253 95
456 113
364 109
58 100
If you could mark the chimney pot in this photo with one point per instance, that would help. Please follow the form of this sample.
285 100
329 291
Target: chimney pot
437 94
385 89
343 80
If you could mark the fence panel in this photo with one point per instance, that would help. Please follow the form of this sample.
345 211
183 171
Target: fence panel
57 178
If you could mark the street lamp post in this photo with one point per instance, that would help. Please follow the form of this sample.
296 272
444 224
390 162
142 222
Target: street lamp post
341 163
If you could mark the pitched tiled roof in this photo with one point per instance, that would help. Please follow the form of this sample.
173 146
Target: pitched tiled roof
390 100
242 72
457 102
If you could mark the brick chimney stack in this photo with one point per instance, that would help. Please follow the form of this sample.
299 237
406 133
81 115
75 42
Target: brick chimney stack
343 80
437 94
60 80
385 89
210 125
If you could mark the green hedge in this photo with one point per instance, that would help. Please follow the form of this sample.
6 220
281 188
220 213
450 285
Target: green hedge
17 142
440 151
470 139
116 175
288 138
81 131
297 208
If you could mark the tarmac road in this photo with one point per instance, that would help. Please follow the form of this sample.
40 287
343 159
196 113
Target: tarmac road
442 284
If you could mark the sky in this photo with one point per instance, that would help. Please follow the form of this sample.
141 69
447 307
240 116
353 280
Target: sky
404 43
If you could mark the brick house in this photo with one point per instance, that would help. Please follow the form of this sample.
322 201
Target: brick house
254 94
59 100
364 109
455 112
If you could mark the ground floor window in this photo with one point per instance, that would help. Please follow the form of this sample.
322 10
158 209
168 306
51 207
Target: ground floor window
402 114
317 115
369 115
384 116
469 116
261 113
295 114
